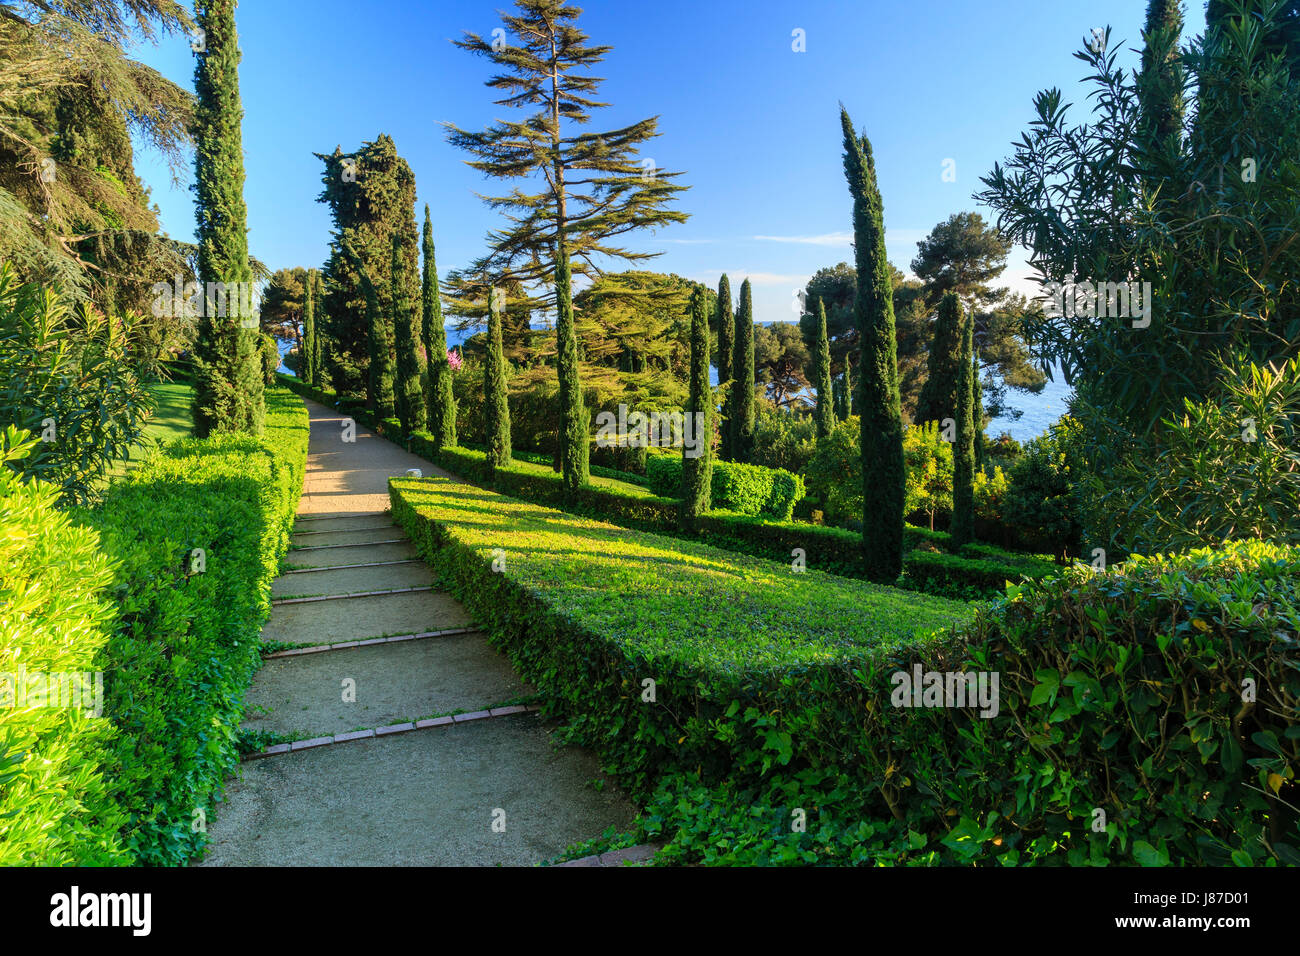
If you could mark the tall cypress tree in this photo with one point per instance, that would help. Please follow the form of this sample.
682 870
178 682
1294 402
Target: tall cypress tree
938 399
742 371
441 401
591 188
1160 81
496 405
379 341
322 324
410 364
963 463
228 380
883 472
697 472
824 414
977 406
307 364
726 346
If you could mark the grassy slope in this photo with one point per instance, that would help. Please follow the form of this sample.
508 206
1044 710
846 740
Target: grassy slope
171 420
664 597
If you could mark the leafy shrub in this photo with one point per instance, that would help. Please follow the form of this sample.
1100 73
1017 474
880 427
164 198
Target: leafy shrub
783 440
747 489
991 489
929 470
834 473
187 641
270 354
56 805
66 377
1228 468
1040 497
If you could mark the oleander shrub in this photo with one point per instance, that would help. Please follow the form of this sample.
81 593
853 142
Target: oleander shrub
57 805
196 534
746 489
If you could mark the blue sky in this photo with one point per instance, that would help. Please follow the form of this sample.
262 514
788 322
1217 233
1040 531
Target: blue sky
752 123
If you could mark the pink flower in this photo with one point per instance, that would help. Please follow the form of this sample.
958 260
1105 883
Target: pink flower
453 359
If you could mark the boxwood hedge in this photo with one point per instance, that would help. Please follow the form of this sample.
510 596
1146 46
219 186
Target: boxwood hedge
186 642
1146 715
746 489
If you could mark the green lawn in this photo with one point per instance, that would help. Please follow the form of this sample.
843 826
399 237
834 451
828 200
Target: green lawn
171 420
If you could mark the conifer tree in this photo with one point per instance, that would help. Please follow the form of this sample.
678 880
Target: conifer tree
410 365
825 413
1160 81
496 405
726 346
697 470
592 188
322 324
307 365
742 372
938 398
977 405
228 380
883 471
379 342
441 401
963 463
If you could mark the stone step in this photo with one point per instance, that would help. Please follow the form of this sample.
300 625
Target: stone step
352 580
359 554
327 539
303 696
355 619
342 523
418 799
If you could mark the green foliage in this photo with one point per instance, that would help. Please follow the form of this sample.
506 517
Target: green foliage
441 400
939 393
697 468
268 355
495 403
308 367
824 415
575 449
186 643
963 468
409 390
68 379
1228 468
834 473
228 379
884 475
930 470
741 396
746 489
725 356
56 803
1041 497
783 439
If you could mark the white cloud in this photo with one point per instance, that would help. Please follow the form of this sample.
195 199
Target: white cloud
826 239
737 276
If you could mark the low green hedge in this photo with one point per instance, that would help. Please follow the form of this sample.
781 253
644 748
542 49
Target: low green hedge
1144 715
186 644
746 489
589 611
56 805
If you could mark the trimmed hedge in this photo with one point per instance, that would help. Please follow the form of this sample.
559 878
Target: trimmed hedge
746 489
187 641
1119 736
56 805
589 611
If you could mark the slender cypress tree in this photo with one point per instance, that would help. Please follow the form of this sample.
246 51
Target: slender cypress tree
1161 107
442 404
228 381
977 405
496 405
575 449
825 413
963 463
883 471
322 324
410 365
307 364
697 472
850 389
726 346
742 371
938 399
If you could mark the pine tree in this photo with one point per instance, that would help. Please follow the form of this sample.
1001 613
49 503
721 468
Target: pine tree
697 472
883 471
410 364
307 364
938 398
441 401
963 463
825 413
591 190
496 405
228 380
726 347
742 371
